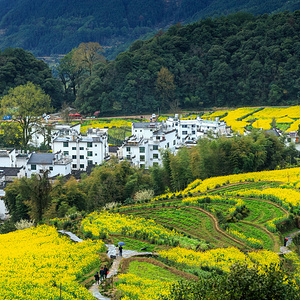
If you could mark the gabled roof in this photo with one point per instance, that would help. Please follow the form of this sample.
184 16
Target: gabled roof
41 159
113 149
11 171
146 124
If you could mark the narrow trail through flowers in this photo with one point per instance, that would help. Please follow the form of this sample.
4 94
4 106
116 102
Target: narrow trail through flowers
112 250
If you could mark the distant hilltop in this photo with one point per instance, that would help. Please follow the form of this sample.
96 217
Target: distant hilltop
57 26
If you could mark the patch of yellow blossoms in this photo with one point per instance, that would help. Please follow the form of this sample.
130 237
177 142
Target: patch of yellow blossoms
289 197
262 123
221 258
135 287
35 263
114 223
106 124
285 175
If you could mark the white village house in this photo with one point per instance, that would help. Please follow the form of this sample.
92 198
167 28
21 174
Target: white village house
57 164
143 147
45 132
192 130
91 149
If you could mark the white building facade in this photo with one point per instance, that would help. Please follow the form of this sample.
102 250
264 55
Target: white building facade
192 130
144 147
45 132
57 164
83 150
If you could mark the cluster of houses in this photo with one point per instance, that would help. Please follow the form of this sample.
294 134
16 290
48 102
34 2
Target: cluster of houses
74 152
143 147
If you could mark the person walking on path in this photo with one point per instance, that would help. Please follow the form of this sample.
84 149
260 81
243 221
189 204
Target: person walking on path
101 274
285 241
105 272
97 277
120 250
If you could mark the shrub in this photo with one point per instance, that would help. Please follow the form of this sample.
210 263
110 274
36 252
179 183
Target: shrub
24 224
143 195
110 205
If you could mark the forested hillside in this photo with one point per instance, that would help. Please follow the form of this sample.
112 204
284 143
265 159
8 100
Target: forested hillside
17 67
57 26
239 60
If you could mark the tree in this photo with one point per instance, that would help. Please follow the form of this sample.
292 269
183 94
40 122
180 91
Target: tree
26 104
12 135
69 73
87 55
16 194
165 86
242 282
40 195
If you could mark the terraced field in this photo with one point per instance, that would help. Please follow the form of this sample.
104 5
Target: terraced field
190 221
199 220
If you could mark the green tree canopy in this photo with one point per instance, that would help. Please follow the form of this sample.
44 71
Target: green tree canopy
26 104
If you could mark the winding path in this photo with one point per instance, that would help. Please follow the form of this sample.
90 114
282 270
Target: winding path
112 250
284 249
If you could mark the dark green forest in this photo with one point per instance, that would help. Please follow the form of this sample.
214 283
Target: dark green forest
18 66
238 60
57 26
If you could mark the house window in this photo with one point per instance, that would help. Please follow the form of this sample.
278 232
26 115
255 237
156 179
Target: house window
73 156
89 144
74 166
90 153
142 149
174 142
128 156
142 166
81 156
90 162
184 132
155 155
155 164
33 167
66 144
193 132
81 148
184 126
66 152
73 148
168 145
155 147
50 168
142 157
128 149
81 166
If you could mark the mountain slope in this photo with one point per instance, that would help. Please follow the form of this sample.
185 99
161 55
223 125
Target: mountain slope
238 60
56 26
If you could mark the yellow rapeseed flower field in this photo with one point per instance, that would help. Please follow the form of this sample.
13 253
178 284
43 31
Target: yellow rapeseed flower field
135 287
289 197
285 175
114 223
221 258
38 263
